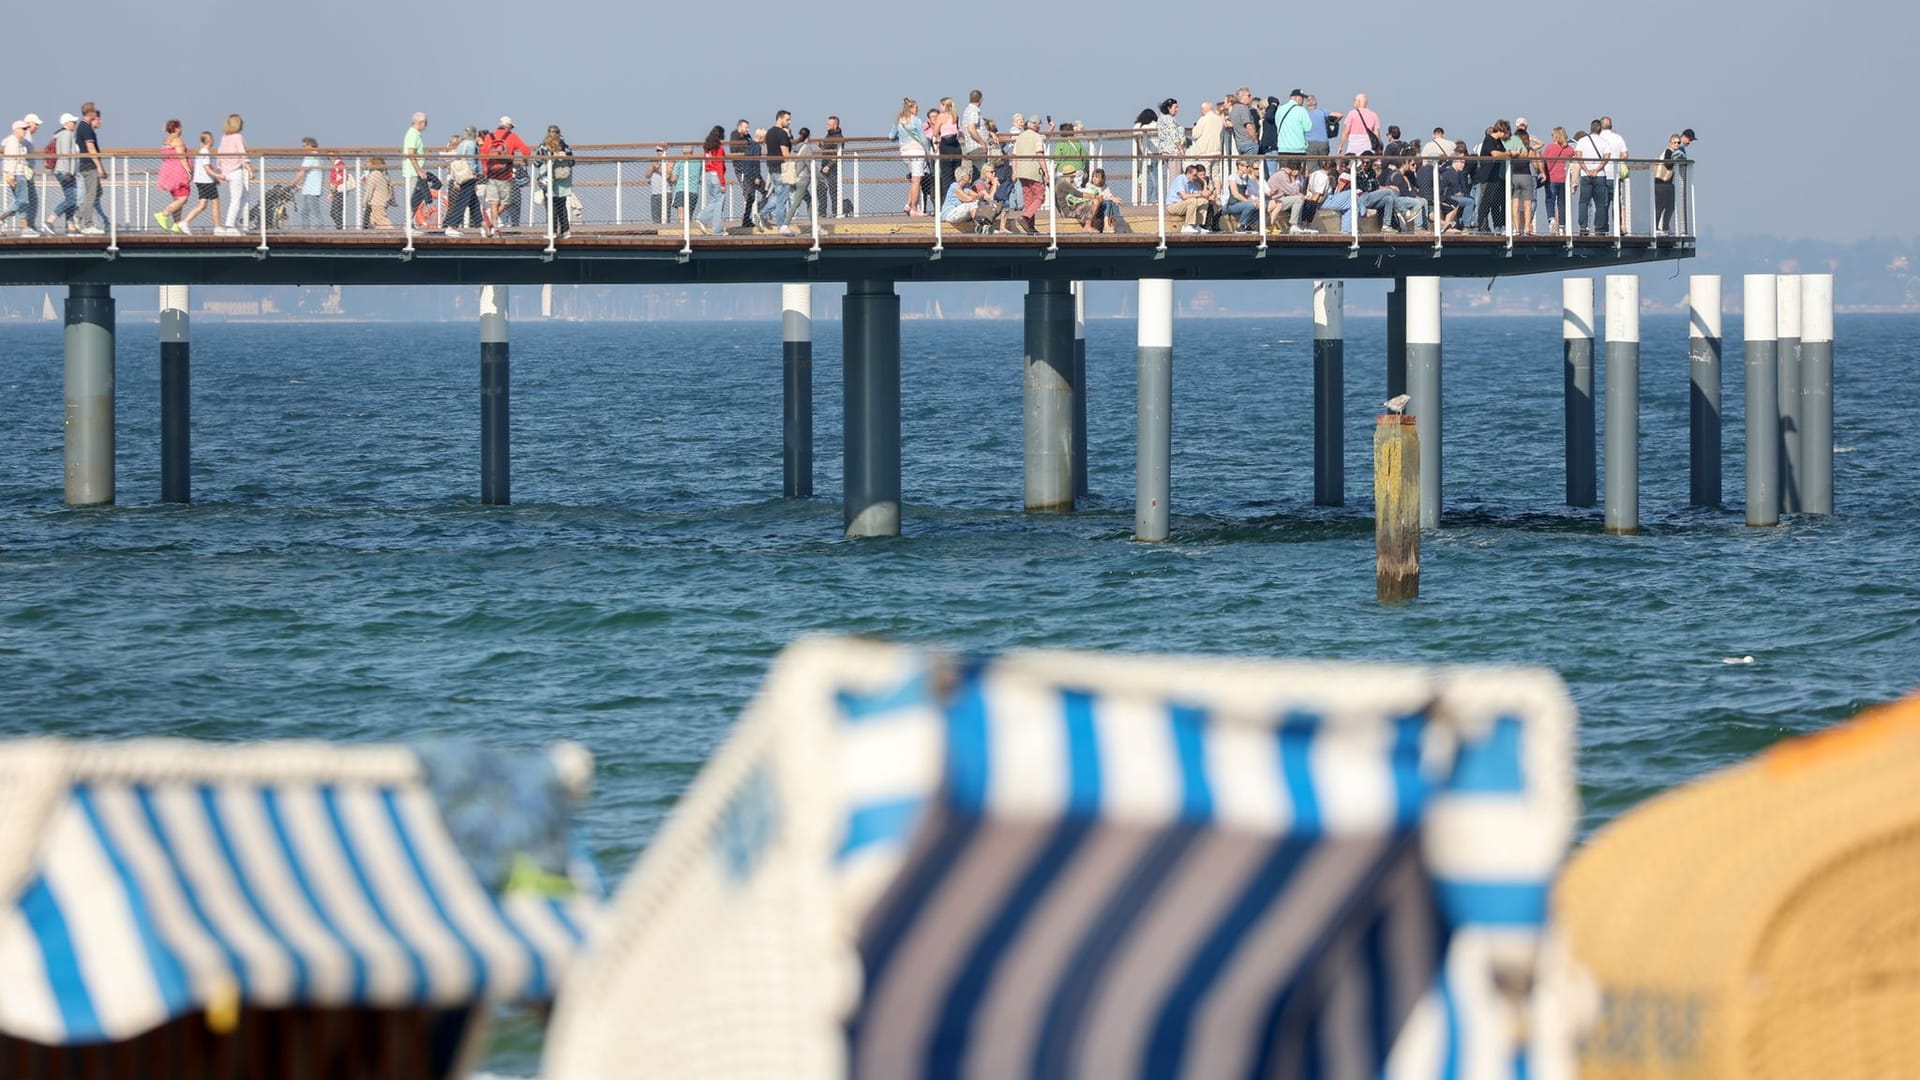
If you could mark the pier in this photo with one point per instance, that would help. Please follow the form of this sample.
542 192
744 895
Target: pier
614 216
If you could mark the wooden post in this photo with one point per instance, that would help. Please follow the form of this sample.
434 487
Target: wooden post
1396 507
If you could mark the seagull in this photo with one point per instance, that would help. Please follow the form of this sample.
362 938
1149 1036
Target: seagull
1398 405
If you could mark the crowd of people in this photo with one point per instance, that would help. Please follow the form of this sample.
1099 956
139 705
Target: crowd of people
1241 153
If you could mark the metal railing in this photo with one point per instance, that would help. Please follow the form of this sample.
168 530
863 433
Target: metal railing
867 190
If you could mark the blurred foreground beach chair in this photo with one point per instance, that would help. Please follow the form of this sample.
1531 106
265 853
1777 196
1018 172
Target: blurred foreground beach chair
278 910
907 864
1763 922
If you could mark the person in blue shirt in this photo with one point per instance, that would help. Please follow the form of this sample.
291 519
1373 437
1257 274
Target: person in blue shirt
310 188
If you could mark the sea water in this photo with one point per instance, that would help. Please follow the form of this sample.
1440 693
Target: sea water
337 578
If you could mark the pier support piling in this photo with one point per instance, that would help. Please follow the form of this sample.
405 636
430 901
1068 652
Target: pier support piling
1787 385
89 395
870 325
1080 483
1329 392
1703 408
1623 405
1153 425
496 486
176 397
1576 379
1396 508
1762 401
1816 393
1397 338
1049 393
796 412
1423 385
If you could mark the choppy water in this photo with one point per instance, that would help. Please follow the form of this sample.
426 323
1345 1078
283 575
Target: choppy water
336 577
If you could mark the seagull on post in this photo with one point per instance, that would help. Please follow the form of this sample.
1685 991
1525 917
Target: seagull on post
1398 405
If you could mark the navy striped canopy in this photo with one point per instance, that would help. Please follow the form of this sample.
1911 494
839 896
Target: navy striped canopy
160 880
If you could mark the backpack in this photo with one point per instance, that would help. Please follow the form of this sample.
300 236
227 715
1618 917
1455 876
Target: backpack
498 158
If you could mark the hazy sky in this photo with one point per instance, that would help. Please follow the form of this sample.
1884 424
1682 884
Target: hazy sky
1773 90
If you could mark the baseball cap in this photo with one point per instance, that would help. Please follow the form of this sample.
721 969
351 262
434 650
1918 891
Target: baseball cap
19 125
1690 135
1297 92
69 118
32 118
506 121
1520 123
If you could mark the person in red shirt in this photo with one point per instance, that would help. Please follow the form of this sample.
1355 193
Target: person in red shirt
496 163
1553 165
713 183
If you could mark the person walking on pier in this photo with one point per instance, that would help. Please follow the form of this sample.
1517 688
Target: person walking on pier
713 184
496 157
413 162
784 172
746 169
1596 187
206 185
235 169
376 193
911 139
1554 159
1360 129
310 187
463 173
555 170
1030 170
88 167
18 171
176 178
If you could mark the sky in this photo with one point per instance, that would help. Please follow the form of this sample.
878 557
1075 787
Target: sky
1773 90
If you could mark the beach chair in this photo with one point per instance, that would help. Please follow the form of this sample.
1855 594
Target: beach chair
1763 922
171 909
1049 864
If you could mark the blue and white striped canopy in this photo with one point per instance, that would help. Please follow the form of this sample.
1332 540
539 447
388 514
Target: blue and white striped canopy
158 880
1117 867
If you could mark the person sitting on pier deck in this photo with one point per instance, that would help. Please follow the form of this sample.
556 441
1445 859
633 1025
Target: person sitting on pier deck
1456 188
1285 197
1396 180
1242 197
1193 200
971 202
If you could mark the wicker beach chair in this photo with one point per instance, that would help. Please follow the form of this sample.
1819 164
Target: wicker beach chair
906 864
1764 922
178 910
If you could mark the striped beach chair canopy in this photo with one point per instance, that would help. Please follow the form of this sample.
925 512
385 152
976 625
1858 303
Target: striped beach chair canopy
148 881
908 864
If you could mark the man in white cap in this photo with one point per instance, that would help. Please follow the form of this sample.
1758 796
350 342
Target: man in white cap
496 166
65 145
17 169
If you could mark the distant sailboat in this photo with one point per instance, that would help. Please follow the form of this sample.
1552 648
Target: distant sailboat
46 308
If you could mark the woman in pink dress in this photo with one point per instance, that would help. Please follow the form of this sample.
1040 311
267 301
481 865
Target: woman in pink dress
175 178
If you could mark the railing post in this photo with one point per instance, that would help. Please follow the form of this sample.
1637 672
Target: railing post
1260 195
548 182
686 206
406 216
1353 197
1438 229
263 188
1506 211
813 202
1053 210
1571 183
1693 207
1161 202
619 192
1616 207
113 219
856 186
939 235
